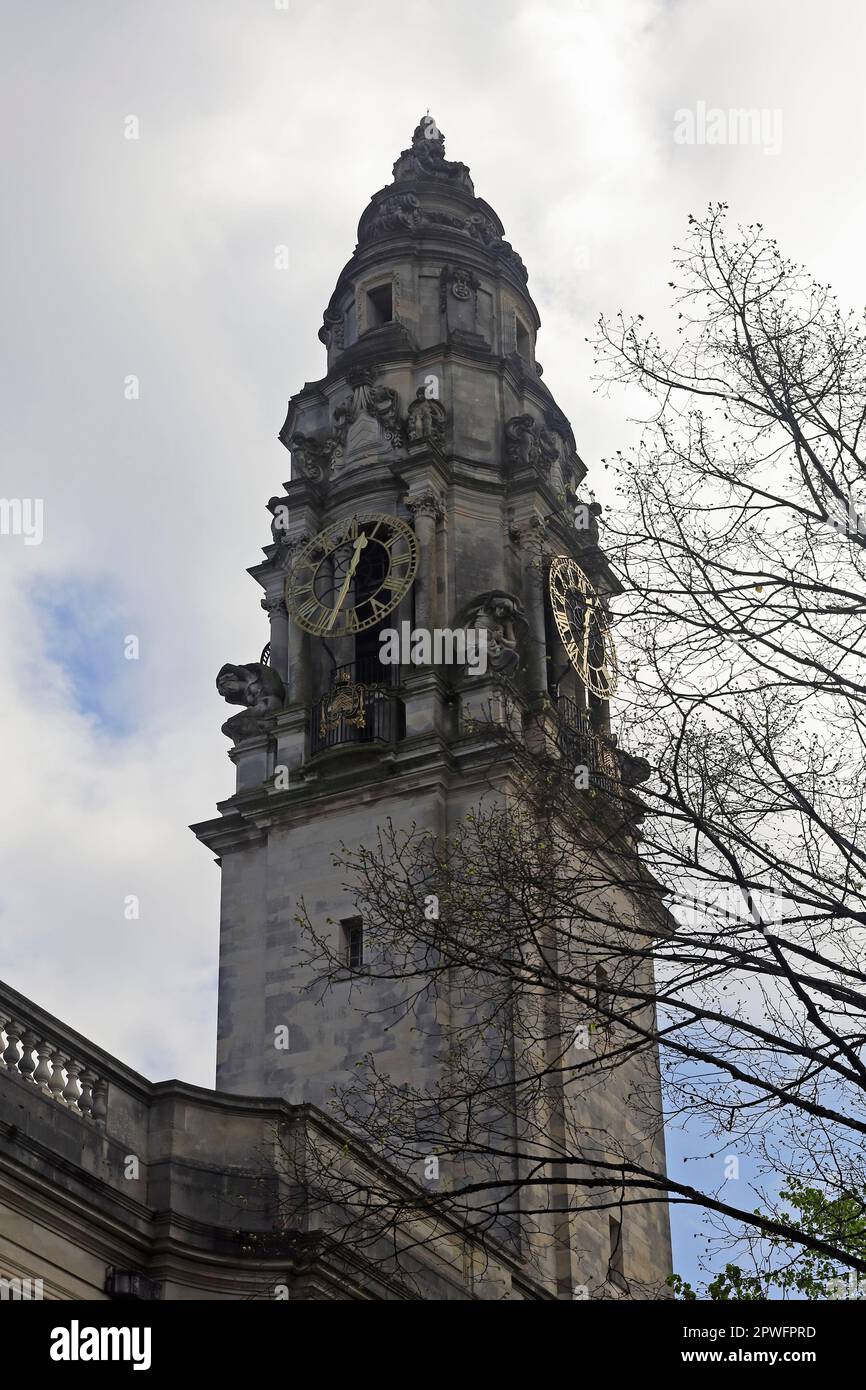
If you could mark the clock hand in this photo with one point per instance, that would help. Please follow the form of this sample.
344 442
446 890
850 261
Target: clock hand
360 542
587 629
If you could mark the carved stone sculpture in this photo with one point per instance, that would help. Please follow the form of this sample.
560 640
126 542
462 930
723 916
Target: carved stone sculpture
520 442
480 228
379 403
334 446
425 419
259 688
307 457
548 449
586 519
529 443
383 403
461 282
279 510
501 616
426 158
400 212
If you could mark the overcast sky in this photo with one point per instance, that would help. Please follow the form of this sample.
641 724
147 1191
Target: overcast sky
261 126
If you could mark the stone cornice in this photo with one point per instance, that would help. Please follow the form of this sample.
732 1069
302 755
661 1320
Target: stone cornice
433 761
228 832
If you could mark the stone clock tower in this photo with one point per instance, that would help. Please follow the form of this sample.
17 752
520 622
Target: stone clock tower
434 488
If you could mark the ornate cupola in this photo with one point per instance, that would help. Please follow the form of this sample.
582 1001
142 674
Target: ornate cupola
430 208
433 414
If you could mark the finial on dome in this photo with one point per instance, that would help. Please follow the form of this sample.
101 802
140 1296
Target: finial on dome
427 129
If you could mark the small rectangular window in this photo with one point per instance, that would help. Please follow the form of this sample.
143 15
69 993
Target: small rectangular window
616 1264
353 943
522 338
380 306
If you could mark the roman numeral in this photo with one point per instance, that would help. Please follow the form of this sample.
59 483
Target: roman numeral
309 608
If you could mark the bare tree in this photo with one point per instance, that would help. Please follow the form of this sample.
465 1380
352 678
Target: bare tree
743 561
551 970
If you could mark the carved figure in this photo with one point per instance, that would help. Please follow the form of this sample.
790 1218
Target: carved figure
501 615
259 688
425 418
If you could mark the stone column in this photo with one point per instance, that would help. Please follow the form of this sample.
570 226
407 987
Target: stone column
275 607
530 538
426 509
297 641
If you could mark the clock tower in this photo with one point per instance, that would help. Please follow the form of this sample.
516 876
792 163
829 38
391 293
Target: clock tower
434 498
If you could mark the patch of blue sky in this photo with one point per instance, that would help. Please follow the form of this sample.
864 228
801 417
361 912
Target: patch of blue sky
703 1162
85 631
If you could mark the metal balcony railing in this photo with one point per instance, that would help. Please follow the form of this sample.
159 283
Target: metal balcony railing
359 707
366 670
583 745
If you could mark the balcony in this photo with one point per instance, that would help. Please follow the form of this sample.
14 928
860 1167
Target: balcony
360 707
582 744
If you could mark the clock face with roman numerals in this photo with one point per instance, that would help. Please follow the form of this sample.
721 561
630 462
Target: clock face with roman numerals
582 622
351 575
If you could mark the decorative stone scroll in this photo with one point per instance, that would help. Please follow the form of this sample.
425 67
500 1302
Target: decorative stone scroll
332 331
318 458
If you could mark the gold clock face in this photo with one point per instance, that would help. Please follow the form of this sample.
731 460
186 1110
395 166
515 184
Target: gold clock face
583 627
351 575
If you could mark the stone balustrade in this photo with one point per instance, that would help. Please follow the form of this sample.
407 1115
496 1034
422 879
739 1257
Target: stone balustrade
212 1206
27 1054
